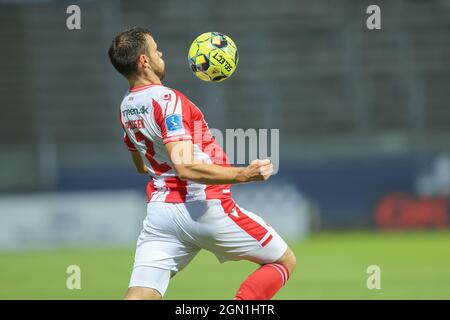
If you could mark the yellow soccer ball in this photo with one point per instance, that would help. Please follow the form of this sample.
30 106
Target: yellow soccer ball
213 56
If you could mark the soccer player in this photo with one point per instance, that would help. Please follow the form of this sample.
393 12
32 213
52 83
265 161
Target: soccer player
189 199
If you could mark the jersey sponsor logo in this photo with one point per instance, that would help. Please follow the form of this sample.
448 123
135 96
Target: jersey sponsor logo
135 111
174 123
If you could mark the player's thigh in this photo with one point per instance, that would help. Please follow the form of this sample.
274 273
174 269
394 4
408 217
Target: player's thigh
160 244
156 262
160 252
234 233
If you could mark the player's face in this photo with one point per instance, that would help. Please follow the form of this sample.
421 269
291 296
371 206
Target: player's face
156 62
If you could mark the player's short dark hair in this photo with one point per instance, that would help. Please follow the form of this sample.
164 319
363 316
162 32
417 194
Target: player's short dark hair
125 49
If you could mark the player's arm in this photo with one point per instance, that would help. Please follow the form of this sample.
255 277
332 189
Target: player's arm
138 162
182 157
135 156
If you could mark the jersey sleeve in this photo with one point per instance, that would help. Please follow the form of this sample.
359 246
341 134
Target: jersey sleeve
173 115
128 143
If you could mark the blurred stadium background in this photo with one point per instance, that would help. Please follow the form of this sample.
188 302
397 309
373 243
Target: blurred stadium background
364 143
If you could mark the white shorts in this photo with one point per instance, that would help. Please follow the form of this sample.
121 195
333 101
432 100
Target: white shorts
173 233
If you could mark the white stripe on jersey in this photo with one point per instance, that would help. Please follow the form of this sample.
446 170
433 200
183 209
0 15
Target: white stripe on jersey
195 191
161 190
160 194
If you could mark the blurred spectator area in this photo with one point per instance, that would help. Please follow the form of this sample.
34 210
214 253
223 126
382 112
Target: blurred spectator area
309 67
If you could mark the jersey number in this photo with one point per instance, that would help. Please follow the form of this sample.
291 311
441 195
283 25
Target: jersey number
159 168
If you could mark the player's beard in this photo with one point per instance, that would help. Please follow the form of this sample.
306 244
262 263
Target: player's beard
160 71
162 74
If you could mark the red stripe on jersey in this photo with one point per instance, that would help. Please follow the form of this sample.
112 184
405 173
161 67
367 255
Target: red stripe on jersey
186 112
228 205
150 190
206 142
177 97
159 168
177 189
246 223
130 145
157 113
266 242
217 192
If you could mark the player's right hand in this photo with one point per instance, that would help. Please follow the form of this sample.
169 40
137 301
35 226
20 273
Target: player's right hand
258 170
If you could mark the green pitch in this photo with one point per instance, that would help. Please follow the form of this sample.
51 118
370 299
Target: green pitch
330 266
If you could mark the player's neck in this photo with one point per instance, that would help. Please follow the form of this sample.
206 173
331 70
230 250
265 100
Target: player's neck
140 80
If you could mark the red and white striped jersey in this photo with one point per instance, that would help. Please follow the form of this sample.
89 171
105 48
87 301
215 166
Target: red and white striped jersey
153 115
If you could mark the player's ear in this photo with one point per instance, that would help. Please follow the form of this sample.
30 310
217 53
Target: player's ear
143 60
